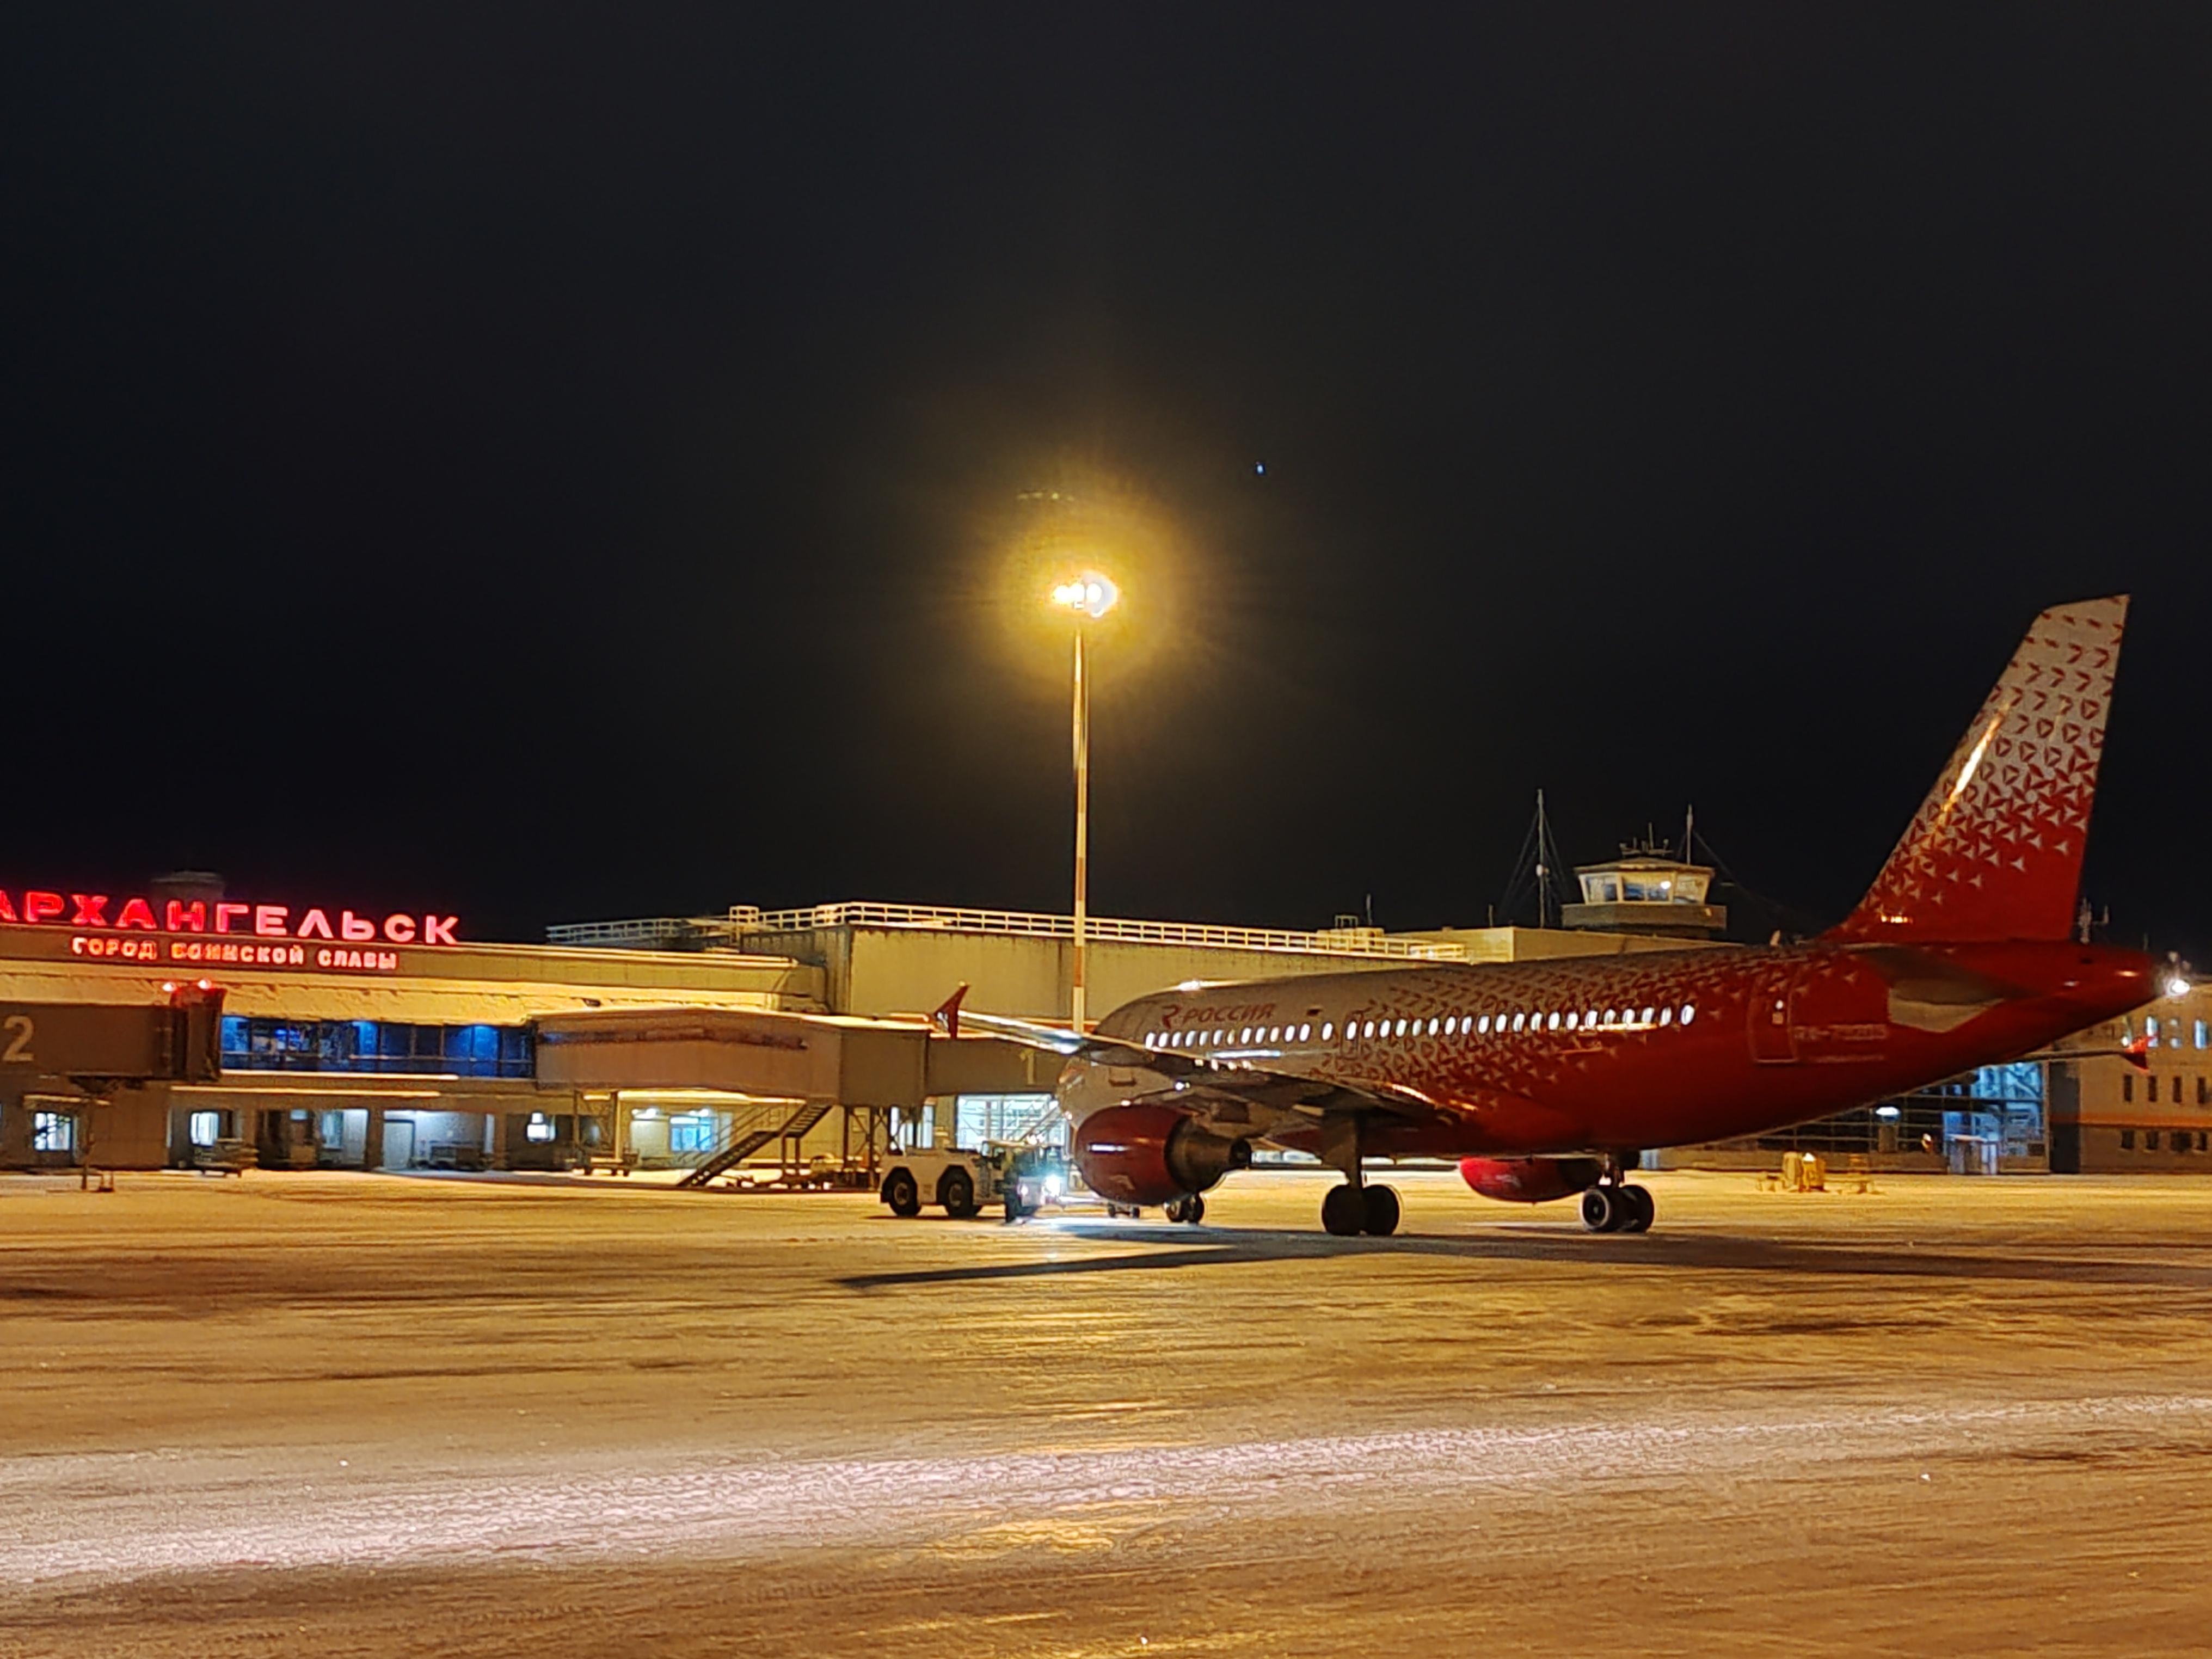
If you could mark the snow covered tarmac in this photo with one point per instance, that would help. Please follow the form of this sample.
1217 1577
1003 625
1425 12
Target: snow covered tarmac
378 1415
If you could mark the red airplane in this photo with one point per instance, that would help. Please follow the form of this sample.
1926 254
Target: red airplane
1546 1079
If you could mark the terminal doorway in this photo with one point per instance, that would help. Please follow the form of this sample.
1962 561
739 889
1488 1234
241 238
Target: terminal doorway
399 1142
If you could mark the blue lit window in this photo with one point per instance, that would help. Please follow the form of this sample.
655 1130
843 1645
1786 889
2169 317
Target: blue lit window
472 1050
251 1043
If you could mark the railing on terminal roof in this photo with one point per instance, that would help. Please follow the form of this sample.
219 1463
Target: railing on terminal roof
638 931
746 920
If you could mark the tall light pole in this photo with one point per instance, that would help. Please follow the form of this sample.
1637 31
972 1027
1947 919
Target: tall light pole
1087 598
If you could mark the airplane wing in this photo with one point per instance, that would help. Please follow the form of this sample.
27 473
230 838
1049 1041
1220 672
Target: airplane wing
1196 1084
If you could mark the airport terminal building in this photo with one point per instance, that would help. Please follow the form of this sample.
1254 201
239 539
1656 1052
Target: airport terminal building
799 1037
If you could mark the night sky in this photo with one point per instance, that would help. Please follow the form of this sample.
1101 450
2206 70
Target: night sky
550 463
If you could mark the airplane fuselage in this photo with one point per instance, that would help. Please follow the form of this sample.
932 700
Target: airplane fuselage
1614 1052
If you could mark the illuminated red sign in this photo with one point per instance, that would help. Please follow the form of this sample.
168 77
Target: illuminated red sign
259 921
245 953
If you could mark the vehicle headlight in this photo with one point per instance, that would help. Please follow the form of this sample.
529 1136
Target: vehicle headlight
1052 1186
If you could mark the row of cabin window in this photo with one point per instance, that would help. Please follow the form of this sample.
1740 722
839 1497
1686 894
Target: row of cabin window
2179 1138
1449 1025
2150 1083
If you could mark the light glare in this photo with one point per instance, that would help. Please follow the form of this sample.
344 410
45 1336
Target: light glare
1089 594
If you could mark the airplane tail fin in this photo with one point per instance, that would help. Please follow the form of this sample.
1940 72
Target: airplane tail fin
1995 851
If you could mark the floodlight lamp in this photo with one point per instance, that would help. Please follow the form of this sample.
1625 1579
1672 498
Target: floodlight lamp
2176 985
1088 595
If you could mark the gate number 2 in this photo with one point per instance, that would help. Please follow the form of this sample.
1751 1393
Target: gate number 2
20 1032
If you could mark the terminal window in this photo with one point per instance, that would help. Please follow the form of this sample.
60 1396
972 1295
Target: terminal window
979 1120
53 1132
688 1132
259 1044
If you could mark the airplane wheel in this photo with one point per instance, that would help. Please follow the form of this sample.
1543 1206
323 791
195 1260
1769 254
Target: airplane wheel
1603 1210
1344 1212
901 1193
1194 1209
1641 1210
1379 1210
1176 1209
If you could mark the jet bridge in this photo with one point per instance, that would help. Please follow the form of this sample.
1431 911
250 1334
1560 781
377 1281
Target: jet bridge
82 1082
808 1064
840 1059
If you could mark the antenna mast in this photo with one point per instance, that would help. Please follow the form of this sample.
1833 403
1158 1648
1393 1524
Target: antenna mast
1543 872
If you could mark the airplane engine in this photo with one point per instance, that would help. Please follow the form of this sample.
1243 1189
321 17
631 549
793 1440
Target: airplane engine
1151 1154
1530 1180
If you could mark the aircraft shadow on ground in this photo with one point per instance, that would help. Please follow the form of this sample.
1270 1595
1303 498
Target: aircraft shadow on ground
1187 1247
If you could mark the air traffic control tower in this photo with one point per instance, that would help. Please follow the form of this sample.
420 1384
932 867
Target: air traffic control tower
1647 890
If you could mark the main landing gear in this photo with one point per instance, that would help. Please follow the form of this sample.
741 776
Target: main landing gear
1349 1210
1190 1209
1355 1207
1614 1206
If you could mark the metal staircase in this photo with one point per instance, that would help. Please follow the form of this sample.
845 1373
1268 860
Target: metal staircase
793 1128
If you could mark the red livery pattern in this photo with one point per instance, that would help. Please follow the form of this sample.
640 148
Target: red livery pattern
1995 851
1547 1078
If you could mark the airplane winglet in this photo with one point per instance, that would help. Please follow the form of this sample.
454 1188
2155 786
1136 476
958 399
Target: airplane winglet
947 1017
